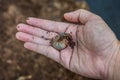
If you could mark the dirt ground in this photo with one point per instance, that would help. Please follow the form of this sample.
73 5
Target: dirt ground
17 63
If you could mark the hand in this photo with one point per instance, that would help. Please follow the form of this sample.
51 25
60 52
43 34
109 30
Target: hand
95 43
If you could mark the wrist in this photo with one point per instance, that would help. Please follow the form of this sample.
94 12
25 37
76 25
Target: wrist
113 65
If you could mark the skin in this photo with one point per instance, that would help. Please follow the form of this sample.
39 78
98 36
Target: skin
95 43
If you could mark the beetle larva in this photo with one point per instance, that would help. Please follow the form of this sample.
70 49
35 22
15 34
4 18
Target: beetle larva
61 41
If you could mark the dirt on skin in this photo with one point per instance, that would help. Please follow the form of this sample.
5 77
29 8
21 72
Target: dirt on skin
17 63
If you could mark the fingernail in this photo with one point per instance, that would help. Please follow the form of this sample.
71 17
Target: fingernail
27 21
29 18
28 45
68 13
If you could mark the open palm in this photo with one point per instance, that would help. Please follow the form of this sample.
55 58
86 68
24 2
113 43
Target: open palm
94 42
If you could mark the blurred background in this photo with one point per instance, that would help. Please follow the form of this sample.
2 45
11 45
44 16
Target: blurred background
17 63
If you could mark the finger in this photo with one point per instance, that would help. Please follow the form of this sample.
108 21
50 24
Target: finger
29 38
44 50
80 15
35 31
54 26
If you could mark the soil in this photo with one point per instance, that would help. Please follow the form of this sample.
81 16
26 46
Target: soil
17 63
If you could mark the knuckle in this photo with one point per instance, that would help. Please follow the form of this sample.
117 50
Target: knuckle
34 30
32 38
80 10
97 16
47 51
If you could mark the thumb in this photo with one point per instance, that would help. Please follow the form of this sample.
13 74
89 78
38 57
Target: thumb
80 15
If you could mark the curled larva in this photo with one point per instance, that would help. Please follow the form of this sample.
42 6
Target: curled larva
61 41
